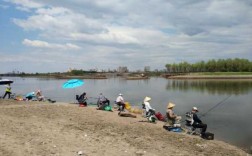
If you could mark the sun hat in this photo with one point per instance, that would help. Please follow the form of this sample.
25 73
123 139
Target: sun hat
146 99
120 94
170 105
195 109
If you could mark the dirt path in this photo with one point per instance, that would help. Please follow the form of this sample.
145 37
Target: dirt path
33 128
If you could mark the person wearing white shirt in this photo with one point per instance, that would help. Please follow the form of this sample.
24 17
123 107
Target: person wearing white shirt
120 102
147 105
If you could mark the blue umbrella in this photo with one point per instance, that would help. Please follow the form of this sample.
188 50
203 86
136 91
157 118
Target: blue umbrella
73 83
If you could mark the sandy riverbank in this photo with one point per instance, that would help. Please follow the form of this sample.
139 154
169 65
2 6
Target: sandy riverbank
36 128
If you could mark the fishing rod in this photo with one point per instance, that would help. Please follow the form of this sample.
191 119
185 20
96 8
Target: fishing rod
219 103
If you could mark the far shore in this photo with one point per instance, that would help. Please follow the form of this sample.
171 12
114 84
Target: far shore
41 128
130 76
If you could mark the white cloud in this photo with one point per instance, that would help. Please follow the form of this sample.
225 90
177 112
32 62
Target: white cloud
43 44
59 22
36 43
26 3
149 32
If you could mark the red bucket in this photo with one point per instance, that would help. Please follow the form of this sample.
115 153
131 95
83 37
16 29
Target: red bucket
82 105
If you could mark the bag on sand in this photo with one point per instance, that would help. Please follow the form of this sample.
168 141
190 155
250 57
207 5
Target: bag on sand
159 116
173 129
108 108
208 136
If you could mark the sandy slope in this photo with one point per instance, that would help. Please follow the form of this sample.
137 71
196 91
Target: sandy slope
33 128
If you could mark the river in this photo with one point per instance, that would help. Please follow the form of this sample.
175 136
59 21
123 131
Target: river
227 104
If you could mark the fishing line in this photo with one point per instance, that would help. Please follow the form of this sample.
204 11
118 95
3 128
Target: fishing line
222 101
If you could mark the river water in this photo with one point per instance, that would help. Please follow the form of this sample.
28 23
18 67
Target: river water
227 104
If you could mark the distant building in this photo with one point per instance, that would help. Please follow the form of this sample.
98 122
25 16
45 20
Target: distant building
122 70
93 70
147 69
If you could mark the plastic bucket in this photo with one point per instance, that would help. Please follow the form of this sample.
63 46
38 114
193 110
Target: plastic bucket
127 106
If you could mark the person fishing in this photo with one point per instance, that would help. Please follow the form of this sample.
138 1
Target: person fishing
39 95
7 91
120 102
196 122
149 110
102 100
30 96
82 99
171 116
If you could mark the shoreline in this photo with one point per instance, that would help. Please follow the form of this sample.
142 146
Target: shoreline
41 128
166 76
136 78
234 77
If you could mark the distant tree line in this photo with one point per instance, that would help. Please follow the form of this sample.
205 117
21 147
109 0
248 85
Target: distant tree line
220 65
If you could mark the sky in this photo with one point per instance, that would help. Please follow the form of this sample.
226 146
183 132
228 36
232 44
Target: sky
55 35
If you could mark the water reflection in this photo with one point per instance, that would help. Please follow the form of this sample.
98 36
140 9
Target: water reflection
215 87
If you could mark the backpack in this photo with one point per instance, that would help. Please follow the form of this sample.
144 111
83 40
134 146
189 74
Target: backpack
173 129
189 118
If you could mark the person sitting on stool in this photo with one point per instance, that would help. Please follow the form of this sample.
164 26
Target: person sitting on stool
171 116
82 99
120 102
197 123
102 100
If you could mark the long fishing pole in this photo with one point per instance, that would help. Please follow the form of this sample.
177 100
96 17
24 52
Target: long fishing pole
222 101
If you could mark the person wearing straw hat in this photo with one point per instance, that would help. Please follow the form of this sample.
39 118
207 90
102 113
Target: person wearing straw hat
171 116
149 110
196 122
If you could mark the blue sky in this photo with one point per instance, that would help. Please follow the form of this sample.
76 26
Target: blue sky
55 35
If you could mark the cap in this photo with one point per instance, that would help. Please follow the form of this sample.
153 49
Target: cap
195 109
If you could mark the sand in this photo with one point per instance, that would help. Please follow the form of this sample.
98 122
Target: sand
60 129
